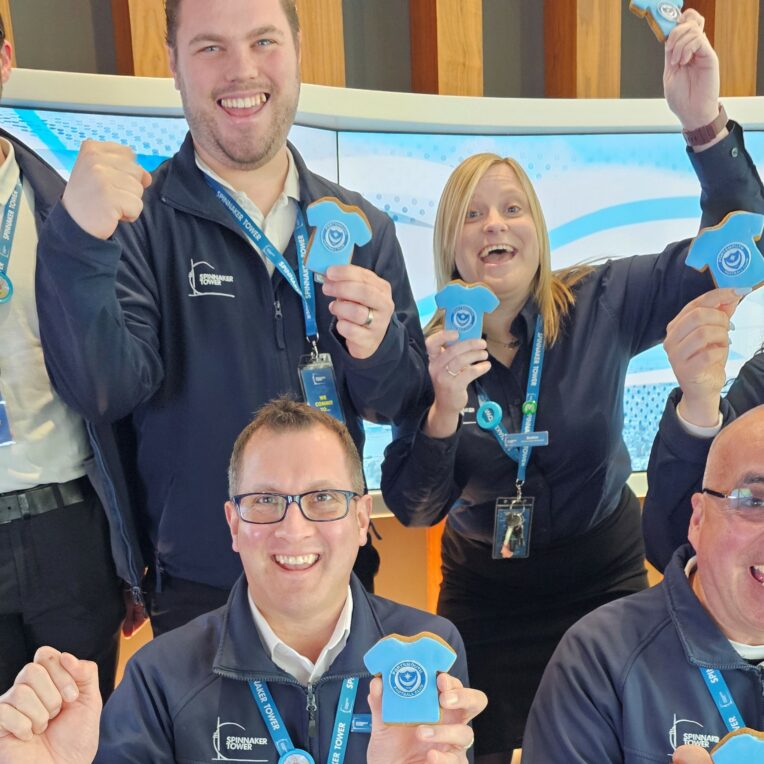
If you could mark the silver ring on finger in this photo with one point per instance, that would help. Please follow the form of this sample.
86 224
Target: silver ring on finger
369 318
453 373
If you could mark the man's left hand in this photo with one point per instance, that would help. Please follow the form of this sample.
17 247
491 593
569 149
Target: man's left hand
444 743
691 754
691 73
363 306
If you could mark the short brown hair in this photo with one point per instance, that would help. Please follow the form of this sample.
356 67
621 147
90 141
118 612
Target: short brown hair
288 415
172 9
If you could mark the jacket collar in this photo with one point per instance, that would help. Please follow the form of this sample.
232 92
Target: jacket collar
241 655
703 642
184 187
46 183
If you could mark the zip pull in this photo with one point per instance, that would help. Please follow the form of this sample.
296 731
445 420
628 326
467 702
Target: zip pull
312 708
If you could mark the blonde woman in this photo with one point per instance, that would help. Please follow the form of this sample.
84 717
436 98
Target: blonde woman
581 542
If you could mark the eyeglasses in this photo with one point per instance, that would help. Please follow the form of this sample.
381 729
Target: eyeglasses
741 499
317 506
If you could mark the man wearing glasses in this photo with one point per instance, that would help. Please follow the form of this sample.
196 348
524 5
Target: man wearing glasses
680 663
271 676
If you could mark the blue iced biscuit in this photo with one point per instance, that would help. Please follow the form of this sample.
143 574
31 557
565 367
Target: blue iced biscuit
338 228
744 745
409 668
465 305
661 15
729 251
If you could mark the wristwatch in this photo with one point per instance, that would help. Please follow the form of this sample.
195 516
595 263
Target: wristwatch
708 132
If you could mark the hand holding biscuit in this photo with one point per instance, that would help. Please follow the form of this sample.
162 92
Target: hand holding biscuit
691 73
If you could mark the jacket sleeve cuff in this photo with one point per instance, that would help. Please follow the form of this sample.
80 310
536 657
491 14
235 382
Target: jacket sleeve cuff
727 175
62 233
675 436
433 453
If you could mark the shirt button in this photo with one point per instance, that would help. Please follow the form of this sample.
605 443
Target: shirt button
734 152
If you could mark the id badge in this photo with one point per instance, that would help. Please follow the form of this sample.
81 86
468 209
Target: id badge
319 387
6 436
512 528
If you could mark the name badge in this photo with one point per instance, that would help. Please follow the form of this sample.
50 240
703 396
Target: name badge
361 723
6 435
512 528
319 386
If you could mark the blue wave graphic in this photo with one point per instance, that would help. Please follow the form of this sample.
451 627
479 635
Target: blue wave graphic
629 213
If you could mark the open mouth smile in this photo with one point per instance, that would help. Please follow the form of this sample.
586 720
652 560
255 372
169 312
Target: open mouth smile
497 254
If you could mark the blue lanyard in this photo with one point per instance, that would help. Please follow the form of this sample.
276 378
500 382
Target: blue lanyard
507 441
722 696
279 734
303 286
7 234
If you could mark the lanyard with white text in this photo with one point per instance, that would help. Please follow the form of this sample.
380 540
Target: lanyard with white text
518 446
304 286
722 697
7 232
278 730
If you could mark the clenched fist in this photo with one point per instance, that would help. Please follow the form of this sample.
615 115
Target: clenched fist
106 187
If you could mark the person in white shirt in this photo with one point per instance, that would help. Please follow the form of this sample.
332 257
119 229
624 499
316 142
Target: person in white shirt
57 577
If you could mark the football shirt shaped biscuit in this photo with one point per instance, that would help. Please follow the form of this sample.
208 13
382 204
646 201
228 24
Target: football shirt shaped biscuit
743 745
661 15
729 251
409 668
338 228
465 305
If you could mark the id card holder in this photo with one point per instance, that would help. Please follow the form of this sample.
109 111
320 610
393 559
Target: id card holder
6 435
319 387
512 527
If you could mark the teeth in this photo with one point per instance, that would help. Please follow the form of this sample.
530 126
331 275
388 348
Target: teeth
250 102
496 248
296 560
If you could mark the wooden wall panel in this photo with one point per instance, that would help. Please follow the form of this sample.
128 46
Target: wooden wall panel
582 48
733 28
323 42
139 37
447 46
5 11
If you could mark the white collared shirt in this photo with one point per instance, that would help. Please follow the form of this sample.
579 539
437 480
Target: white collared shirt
289 660
50 441
278 224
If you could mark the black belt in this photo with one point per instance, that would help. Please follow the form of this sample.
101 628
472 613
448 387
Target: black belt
15 505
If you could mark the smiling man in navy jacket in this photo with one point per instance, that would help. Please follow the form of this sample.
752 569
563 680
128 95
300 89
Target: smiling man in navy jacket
156 305
629 683
288 646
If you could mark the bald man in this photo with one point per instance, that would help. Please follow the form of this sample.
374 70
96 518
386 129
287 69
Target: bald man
640 678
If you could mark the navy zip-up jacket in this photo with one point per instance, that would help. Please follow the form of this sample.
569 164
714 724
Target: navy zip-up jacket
678 460
185 696
176 324
624 685
48 186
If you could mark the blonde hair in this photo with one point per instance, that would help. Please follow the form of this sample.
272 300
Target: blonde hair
552 290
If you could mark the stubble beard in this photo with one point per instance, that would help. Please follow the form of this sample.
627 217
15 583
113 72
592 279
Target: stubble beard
247 152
